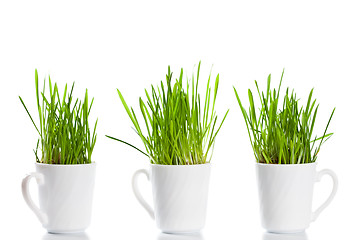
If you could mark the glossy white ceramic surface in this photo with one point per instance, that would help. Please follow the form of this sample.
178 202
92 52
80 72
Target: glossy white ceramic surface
286 193
65 196
180 196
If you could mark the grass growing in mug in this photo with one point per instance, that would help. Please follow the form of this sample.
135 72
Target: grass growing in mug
284 135
64 132
180 129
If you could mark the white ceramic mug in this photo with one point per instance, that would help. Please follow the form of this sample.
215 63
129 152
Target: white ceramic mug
180 196
286 192
65 196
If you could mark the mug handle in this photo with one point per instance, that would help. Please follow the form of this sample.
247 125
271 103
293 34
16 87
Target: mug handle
26 194
137 192
319 175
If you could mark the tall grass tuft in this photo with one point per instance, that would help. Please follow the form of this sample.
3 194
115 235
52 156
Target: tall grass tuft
180 129
64 132
282 133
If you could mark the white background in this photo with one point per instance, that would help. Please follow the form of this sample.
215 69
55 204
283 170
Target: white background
104 45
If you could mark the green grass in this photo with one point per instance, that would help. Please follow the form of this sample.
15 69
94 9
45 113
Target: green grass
64 132
179 128
283 133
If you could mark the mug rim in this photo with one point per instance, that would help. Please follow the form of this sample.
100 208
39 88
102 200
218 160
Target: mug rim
286 165
66 165
180 166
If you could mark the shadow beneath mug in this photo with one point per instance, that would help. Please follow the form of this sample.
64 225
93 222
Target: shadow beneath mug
167 236
283 236
75 236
